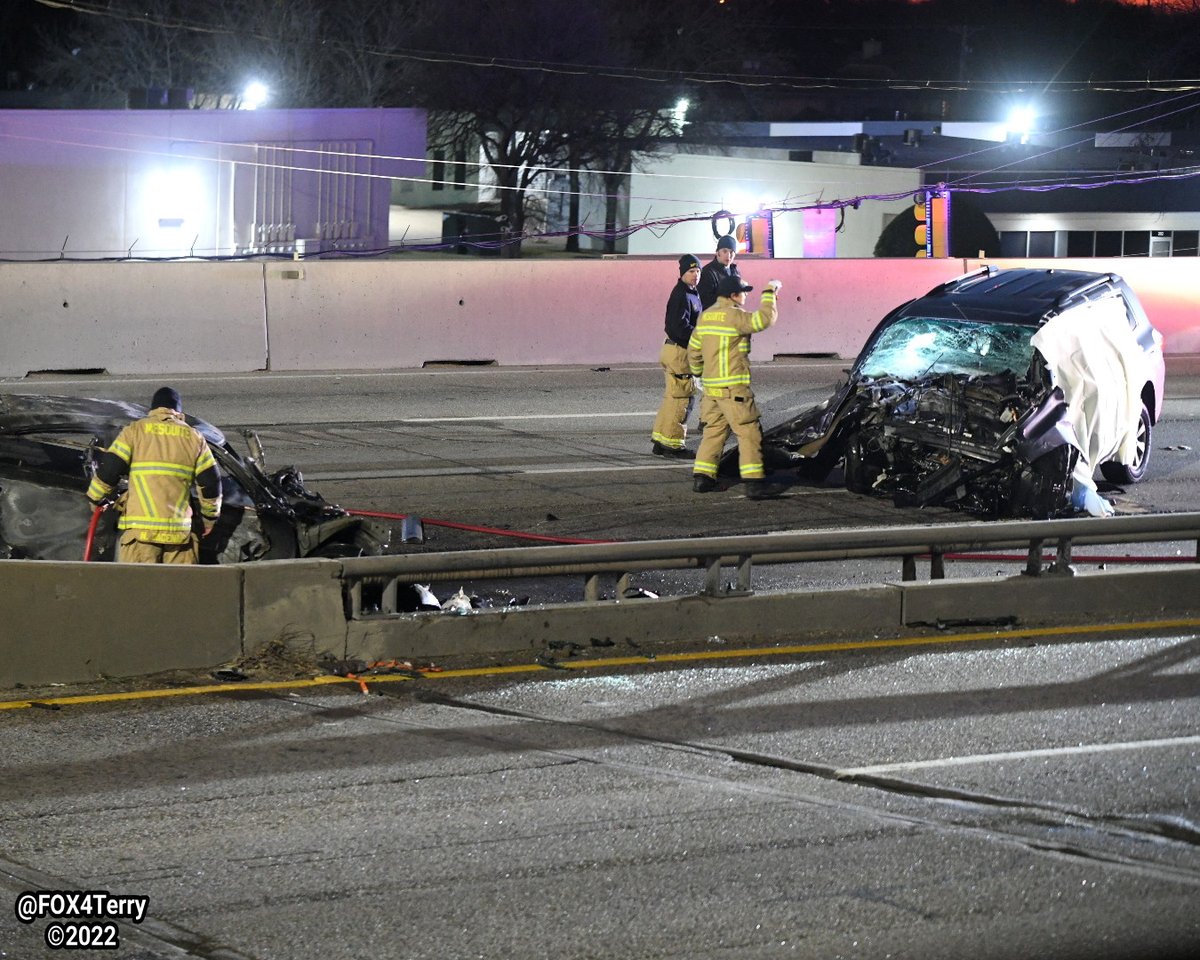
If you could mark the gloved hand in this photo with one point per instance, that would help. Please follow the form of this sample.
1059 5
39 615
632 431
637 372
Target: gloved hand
775 285
1084 497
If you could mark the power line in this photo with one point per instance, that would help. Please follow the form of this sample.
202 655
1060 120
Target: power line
662 76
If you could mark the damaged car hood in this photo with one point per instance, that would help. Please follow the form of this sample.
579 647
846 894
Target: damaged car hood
48 450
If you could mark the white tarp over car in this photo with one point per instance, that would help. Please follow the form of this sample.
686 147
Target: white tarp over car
1092 354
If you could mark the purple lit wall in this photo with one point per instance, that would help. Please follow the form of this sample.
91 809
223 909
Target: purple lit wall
820 234
207 183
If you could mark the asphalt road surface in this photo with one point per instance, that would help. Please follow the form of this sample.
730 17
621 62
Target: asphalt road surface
560 452
999 796
1003 799
564 453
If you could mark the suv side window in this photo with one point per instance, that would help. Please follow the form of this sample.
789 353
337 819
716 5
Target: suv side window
1106 292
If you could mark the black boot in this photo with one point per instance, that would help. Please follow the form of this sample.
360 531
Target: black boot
761 490
672 453
702 483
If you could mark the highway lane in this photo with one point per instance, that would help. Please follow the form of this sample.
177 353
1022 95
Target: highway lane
558 451
997 798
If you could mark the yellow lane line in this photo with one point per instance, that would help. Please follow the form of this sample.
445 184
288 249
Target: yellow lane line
644 659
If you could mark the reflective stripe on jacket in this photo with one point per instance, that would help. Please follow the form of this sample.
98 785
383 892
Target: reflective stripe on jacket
163 457
719 350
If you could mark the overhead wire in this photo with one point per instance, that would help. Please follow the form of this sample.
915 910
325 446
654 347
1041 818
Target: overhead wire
970 182
1045 153
665 76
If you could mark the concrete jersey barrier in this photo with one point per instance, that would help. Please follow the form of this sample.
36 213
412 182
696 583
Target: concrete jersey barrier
157 319
69 622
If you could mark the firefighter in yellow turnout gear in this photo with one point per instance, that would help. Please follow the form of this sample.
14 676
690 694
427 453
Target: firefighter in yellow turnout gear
719 353
164 458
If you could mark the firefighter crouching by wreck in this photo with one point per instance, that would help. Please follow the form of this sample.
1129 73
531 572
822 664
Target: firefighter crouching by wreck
719 353
164 458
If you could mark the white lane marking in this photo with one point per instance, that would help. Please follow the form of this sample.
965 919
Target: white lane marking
528 416
474 369
799 490
481 471
1018 755
266 376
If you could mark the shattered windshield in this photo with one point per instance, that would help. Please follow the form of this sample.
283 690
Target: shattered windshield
918 346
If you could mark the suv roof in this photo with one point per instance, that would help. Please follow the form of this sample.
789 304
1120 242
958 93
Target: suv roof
1023 296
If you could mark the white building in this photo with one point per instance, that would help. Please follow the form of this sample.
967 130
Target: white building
92 184
685 185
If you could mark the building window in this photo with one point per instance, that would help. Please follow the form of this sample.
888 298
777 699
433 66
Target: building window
1137 243
1185 242
439 170
1108 243
1013 243
460 169
1041 243
1081 243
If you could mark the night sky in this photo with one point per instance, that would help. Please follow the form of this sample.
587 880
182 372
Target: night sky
20 19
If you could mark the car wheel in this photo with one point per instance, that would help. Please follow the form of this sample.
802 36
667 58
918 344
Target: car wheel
1135 472
816 469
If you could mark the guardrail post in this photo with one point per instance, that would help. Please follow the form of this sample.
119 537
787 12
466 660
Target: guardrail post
937 565
1033 565
591 587
387 601
745 563
908 567
1062 558
622 586
712 576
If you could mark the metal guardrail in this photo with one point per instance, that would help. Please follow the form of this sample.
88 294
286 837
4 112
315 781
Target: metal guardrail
386 574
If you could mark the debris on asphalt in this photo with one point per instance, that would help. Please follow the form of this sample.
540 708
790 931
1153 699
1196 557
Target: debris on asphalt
460 603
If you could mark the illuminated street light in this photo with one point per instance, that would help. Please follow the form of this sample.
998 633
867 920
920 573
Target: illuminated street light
1021 121
255 95
679 113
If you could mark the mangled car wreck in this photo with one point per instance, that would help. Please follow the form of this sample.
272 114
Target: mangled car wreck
999 393
48 447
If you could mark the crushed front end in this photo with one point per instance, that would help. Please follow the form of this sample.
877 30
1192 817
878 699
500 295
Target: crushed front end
994 445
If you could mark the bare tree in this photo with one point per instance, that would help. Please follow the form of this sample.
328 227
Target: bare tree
610 143
565 95
307 52
119 49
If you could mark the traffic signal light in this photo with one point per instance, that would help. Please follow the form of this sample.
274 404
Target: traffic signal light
756 234
932 235
921 234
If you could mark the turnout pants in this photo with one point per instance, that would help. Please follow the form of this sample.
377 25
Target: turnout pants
133 550
721 412
670 426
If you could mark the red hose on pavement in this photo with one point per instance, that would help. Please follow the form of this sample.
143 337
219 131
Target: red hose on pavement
476 529
91 533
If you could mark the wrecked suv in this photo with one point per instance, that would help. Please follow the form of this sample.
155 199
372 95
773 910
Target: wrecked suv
1000 393
48 450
